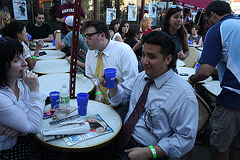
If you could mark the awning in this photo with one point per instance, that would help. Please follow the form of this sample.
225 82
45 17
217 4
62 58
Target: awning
194 4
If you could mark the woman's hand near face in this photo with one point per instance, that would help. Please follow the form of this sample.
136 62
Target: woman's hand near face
31 79
39 45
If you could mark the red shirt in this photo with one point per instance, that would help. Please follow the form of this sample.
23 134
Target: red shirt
145 32
66 10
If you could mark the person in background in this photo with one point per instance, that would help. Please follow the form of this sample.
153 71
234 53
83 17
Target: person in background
146 25
187 19
173 25
4 19
40 31
121 35
113 27
114 54
200 21
66 43
162 123
221 49
197 39
17 30
65 10
135 35
21 104
2 7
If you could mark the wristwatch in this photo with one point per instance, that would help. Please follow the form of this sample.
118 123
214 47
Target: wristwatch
58 31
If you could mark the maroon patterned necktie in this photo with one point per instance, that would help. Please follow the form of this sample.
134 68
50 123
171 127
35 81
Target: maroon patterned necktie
127 129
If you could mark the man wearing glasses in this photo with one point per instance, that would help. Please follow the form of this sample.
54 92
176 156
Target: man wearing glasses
221 49
114 55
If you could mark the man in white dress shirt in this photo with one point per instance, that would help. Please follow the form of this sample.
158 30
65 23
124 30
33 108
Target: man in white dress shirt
115 55
167 115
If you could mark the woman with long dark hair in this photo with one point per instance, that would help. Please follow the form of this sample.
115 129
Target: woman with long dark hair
21 104
121 35
173 25
113 27
17 30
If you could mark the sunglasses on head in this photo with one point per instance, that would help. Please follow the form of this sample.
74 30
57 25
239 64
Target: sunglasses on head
175 6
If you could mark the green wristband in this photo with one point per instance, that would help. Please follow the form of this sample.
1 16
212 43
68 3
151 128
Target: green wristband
98 93
35 57
154 153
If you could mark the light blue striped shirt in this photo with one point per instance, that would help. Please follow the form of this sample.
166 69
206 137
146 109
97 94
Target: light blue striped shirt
170 118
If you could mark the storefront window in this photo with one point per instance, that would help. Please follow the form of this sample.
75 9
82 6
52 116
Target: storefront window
122 9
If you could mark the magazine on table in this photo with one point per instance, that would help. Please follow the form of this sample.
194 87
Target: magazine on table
98 127
75 129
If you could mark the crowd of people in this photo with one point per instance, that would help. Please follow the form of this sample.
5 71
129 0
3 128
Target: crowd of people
158 108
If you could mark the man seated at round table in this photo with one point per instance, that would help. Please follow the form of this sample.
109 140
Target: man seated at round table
66 43
162 123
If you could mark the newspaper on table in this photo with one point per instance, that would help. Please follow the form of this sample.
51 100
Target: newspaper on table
70 128
98 127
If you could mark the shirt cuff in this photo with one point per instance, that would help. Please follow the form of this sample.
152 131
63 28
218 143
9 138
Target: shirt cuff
169 149
117 98
38 97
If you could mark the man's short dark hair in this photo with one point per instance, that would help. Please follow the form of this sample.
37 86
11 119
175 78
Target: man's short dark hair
39 12
162 39
219 7
133 30
100 27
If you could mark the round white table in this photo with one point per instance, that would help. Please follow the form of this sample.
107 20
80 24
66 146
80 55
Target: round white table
46 45
53 82
52 66
180 63
108 114
51 54
213 87
186 72
200 48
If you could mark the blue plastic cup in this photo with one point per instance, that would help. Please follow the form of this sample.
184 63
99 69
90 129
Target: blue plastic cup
110 76
29 37
54 98
197 65
190 41
53 42
82 100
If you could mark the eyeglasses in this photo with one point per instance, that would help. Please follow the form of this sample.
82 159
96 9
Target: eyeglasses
148 120
89 35
175 6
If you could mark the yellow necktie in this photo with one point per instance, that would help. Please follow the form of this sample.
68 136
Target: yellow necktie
98 74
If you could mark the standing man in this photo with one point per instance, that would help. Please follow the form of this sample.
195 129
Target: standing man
65 10
40 30
162 118
104 53
221 49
